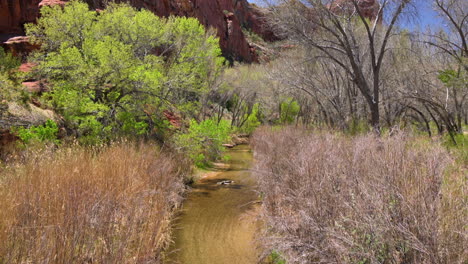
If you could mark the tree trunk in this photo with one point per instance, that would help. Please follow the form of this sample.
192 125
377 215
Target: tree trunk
375 117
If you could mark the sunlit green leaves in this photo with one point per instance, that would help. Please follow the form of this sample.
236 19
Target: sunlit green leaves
62 27
106 68
203 140
7 61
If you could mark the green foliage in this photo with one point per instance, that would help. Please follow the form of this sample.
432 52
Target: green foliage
447 76
130 125
9 85
358 127
454 79
252 121
460 145
42 133
203 140
276 258
107 70
289 111
8 88
7 61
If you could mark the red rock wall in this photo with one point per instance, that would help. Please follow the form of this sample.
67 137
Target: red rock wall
14 13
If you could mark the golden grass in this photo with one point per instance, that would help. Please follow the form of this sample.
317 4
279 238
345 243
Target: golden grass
82 205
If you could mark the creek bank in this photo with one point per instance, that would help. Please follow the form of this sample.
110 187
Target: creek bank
241 139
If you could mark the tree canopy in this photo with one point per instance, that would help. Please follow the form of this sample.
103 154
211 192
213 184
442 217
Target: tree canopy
116 70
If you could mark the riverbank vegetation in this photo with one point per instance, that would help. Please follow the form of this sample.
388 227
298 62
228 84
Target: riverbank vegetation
332 198
102 204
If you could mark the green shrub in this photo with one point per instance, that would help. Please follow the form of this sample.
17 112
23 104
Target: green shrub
42 133
9 83
7 61
358 127
252 121
276 258
289 111
203 140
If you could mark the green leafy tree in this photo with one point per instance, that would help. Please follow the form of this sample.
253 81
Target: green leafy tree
108 70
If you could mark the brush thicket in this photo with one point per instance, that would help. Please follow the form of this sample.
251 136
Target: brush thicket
329 198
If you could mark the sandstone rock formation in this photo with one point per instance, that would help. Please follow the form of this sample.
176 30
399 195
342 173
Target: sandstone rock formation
14 114
17 115
20 46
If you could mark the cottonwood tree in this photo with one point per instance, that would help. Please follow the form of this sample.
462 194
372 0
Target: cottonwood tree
333 98
110 70
349 34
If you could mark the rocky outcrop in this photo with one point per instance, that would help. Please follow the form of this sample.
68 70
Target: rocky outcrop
15 115
174 120
20 46
253 18
19 115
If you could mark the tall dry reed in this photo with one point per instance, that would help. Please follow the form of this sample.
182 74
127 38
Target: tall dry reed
81 205
335 199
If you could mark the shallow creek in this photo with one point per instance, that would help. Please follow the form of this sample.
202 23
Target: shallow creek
217 224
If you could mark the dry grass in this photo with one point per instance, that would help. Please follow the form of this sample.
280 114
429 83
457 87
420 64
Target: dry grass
363 200
81 205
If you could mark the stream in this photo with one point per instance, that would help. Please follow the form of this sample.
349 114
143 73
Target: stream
217 224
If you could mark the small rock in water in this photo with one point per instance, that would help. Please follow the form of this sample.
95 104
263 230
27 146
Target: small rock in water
229 145
226 182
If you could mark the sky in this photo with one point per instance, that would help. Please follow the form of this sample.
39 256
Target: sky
427 17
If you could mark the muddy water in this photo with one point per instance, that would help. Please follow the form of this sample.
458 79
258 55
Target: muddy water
217 224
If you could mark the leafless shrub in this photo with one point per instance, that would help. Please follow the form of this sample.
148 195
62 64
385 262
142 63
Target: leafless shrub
333 199
79 205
